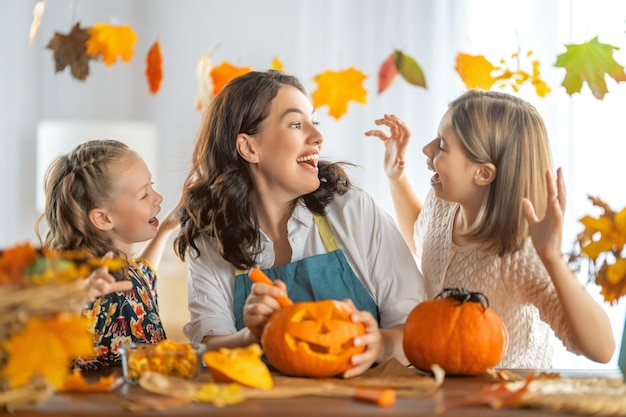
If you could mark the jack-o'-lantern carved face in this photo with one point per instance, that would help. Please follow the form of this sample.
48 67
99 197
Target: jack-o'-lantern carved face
312 338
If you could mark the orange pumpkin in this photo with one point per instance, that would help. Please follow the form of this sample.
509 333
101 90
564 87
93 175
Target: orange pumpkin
457 331
313 339
242 365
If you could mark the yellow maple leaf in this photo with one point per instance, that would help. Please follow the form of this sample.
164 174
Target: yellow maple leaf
337 88
603 242
475 71
277 64
65 337
111 41
225 72
512 74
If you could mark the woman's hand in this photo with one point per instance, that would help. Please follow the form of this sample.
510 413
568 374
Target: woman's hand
260 305
372 340
396 144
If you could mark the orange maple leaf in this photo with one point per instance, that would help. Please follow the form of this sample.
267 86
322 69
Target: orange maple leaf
337 88
225 72
154 67
111 41
65 337
589 62
475 71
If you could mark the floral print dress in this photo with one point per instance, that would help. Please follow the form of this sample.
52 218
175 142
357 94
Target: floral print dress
125 317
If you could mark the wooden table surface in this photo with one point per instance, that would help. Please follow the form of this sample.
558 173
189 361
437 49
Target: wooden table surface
453 388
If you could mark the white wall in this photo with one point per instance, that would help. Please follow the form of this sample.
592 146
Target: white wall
309 36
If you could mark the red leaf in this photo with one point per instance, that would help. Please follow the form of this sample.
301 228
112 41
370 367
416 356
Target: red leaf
154 67
387 73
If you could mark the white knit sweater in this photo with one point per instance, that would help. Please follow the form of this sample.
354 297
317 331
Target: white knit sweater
518 286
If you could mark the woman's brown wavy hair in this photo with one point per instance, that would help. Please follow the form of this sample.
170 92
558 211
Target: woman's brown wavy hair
218 200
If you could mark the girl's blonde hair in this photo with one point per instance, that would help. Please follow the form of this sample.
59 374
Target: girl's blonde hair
508 132
74 184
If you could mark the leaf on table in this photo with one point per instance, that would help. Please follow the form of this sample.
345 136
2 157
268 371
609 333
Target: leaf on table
409 69
75 382
70 50
111 41
337 88
225 72
475 71
497 396
589 62
65 337
38 10
387 73
154 67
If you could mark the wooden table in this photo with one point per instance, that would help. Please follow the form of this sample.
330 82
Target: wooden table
453 388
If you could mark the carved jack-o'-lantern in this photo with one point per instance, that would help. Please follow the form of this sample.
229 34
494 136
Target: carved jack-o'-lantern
314 339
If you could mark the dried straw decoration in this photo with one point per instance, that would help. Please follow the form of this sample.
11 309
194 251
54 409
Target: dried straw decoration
41 288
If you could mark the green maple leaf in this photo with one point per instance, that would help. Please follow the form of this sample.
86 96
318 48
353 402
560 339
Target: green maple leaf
589 62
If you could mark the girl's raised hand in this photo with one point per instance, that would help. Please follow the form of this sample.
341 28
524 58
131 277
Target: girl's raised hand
547 233
100 282
396 144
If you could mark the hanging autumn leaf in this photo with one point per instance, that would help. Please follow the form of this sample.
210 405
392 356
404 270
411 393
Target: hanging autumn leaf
70 50
475 71
337 88
589 62
409 69
38 10
225 72
111 41
513 74
205 82
154 67
277 64
65 337
387 73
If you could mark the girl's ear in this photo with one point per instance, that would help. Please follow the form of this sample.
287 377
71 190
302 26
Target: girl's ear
100 219
246 148
486 174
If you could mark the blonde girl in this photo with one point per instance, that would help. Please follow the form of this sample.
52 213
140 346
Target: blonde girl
480 226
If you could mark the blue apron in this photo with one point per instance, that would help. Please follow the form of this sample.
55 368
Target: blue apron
319 277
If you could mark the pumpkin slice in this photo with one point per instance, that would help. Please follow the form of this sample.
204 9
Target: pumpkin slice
241 365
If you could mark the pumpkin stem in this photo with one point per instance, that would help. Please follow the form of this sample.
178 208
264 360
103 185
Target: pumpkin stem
464 295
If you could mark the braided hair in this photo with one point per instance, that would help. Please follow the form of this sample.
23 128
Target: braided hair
75 184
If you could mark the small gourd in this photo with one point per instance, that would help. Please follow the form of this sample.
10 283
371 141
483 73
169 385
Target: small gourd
457 331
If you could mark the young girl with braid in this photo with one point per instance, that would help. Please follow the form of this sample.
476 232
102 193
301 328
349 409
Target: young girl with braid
99 199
